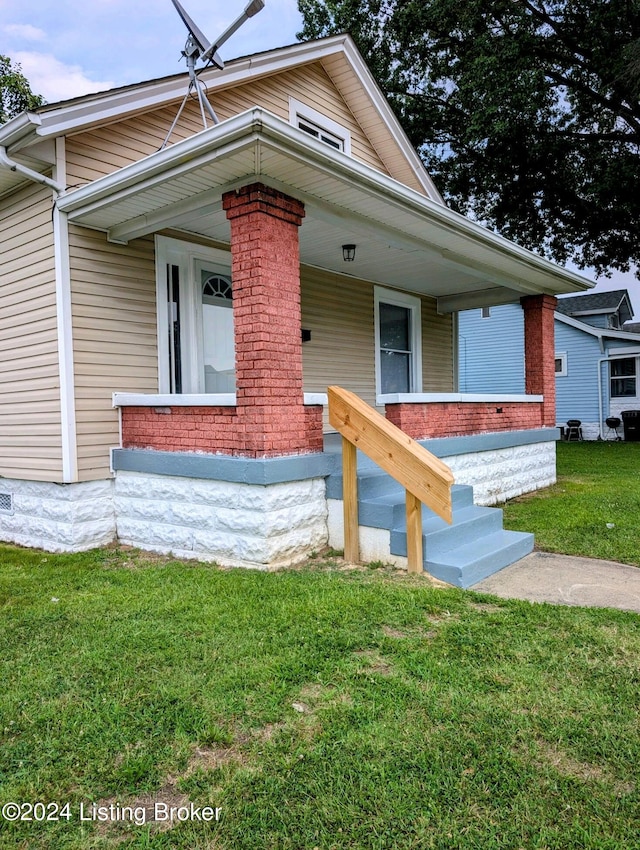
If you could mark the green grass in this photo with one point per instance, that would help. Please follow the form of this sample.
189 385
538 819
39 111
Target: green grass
593 510
318 708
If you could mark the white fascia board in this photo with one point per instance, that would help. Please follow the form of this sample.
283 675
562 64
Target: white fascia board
73 115
581 326
259 126
388 116
19 130
623 352
186 155
598 312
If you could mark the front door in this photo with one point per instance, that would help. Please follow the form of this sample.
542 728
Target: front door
218 349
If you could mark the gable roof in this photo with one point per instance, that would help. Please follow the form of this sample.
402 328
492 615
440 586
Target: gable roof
594 303
338 56
600 333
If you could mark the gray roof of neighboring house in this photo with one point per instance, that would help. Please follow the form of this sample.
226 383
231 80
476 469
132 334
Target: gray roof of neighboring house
597 302
631 327
605 301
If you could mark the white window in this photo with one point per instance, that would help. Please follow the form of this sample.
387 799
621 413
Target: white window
398 342
485 312
196 350
623 378
319 126
561 364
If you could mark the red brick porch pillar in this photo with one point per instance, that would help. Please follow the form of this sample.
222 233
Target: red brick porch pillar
265 260
539 352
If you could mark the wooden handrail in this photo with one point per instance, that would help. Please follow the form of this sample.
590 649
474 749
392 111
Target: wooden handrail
424 476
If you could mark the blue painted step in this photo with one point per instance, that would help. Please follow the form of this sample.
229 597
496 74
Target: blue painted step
473 547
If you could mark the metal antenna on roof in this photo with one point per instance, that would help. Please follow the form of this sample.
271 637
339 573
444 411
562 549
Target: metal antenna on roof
199 48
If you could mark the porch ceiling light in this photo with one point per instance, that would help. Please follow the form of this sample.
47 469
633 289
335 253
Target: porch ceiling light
348 253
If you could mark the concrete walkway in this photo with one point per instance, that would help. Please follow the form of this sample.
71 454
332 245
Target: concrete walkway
565 580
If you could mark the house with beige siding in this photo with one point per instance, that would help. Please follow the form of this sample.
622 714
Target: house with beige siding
175 302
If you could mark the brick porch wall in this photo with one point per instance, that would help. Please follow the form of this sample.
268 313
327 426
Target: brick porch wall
213 430
455 419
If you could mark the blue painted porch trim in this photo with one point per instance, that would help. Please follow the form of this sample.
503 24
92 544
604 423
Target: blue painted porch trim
279 470
473 443
242 470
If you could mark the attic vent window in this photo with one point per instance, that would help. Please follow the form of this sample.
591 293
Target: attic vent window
319 126
318 133
6 503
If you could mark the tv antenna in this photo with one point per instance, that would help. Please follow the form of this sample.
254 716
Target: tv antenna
199 48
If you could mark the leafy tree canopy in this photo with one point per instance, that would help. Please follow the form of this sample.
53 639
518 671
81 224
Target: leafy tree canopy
525 112
15 91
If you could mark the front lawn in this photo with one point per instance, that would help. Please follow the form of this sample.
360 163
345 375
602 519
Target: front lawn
318 708
593 510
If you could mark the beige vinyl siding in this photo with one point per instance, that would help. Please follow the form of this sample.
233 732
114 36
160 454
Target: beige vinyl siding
437 349
339 312
310 85
113 297
102 150
30 417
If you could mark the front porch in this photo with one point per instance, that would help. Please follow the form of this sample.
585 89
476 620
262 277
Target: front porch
269 512
241 477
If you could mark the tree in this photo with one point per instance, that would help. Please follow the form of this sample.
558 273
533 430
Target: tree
15 91
525 112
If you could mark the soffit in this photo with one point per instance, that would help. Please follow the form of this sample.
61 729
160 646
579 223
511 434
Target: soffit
404 239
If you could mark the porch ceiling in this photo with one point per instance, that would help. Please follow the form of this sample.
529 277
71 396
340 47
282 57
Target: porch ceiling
403 239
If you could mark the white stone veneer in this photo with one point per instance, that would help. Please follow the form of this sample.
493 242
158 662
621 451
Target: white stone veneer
374 543
501 474
233 524
58 517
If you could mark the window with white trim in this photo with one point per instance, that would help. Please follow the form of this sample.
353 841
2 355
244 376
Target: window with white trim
320 126
623 377
398 342
561 364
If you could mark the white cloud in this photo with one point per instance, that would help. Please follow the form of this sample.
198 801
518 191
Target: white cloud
26 31
53 79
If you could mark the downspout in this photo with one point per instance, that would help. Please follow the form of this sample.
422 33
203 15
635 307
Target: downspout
12 165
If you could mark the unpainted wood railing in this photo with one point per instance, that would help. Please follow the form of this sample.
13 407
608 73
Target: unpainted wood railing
424 476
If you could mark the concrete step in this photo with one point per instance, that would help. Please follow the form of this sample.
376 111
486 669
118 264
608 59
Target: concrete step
389 509
439 538
469 564
473 547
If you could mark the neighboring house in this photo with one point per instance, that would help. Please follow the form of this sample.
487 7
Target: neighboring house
172 314
597 357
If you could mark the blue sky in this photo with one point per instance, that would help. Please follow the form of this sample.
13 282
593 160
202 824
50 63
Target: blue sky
73 47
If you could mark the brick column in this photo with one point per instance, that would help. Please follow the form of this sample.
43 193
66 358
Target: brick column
265 260
539 352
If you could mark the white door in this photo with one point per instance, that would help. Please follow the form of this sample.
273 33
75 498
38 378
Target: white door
218 348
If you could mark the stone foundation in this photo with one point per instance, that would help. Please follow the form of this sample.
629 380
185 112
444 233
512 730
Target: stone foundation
230 523
58 517
505 473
